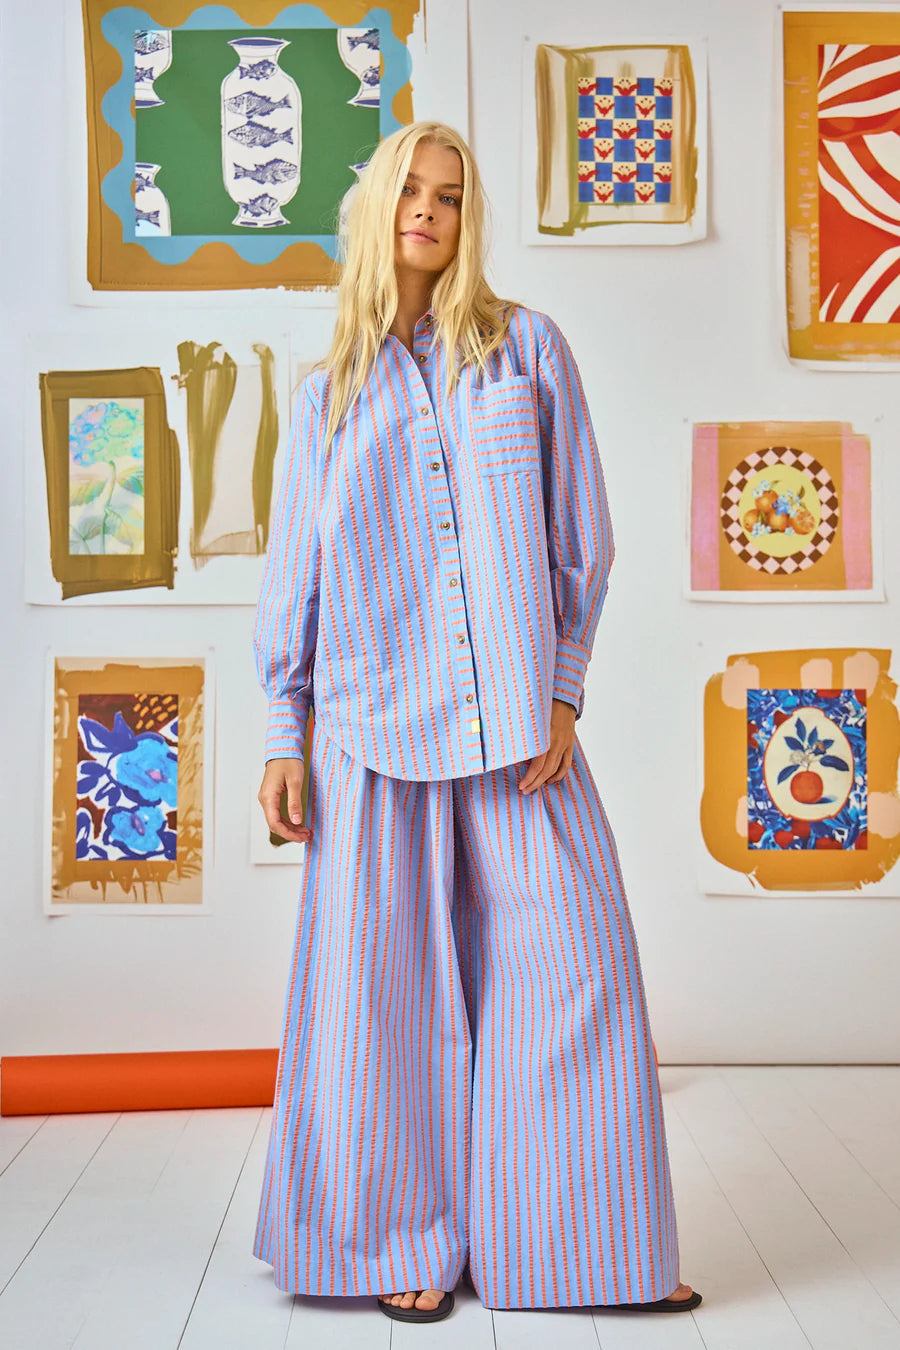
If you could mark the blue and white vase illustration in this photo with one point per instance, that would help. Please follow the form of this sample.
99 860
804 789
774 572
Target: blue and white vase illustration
261 138
360 51
152 55
151 208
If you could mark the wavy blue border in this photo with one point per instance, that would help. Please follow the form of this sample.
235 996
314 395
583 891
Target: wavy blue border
119 27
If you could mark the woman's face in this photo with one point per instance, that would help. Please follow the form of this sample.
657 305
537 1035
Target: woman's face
428 211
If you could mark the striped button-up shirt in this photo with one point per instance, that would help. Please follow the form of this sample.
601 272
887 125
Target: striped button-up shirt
436 578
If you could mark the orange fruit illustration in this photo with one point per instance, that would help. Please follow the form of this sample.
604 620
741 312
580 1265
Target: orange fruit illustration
804 522
766 500
777 520
750 519
806 786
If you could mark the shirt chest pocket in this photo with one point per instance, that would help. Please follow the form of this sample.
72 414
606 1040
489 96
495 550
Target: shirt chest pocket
505 427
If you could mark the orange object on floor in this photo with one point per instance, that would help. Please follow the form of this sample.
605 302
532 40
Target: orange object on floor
152 1081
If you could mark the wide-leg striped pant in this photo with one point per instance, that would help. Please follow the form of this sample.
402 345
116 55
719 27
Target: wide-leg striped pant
466 1068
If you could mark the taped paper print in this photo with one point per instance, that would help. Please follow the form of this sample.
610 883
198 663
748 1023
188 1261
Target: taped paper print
801 750
781 509
619 141
842 184
111 466
127 815
117 498
222 142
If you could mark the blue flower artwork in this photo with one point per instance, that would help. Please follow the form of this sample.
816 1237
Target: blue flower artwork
106 476
807 781
127 777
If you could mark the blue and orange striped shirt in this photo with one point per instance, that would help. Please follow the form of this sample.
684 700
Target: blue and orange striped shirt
437 578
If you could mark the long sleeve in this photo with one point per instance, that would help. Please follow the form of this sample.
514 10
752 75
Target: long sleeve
579 529
287 612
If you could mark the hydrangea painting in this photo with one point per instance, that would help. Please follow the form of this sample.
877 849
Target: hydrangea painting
131 788
800 757
106 475
127 788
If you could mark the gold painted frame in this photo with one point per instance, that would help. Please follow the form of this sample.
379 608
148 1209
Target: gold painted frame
89 574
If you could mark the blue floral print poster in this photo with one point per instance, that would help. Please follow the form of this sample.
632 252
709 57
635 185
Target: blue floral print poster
806 769
130 795
127 786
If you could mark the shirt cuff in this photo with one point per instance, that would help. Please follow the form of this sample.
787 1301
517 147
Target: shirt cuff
286 730
568 676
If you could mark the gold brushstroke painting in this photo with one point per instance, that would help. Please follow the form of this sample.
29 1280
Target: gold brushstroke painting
232 423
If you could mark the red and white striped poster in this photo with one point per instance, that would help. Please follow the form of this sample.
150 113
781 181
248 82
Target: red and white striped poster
842 184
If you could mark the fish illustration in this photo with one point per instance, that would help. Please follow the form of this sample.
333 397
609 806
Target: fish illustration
370 38
257 70
261 206
254 133
370 76
148 40
151 217
255 105
273 171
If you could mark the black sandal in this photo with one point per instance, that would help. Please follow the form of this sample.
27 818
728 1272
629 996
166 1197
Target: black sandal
661 1305
414 1314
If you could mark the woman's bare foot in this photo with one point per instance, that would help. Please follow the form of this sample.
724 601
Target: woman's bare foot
683 1291
428 1300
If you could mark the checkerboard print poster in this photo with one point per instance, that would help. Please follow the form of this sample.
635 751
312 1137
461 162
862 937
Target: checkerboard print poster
625 139
621 142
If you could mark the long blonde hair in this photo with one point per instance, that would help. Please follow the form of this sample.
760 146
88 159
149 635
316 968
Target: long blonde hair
470 319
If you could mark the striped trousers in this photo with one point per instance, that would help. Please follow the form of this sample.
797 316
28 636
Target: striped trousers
466 1071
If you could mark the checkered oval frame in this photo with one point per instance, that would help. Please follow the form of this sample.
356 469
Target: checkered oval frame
743 546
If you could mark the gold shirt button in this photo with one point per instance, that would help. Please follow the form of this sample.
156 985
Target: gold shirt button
445 524
435 463
469 697
423 358
460 640
453 581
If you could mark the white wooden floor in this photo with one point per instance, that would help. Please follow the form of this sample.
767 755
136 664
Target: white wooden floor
131 1231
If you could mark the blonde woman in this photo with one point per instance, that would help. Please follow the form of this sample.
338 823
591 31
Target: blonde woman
466 1083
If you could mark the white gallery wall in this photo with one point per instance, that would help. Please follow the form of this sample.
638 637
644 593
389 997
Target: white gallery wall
664 336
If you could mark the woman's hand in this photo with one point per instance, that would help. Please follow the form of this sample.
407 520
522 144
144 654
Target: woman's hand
556 760
284 775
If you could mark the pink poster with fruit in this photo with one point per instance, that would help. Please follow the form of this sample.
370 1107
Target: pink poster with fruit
781 511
